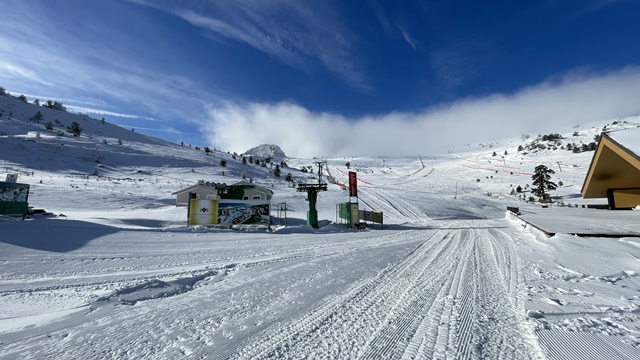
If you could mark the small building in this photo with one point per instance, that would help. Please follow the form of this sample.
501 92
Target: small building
245 190
242 190
614 172
203 191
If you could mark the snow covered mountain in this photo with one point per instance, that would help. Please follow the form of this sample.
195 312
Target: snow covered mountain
267 150
116 273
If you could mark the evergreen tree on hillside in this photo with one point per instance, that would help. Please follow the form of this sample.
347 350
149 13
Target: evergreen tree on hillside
3 91
22 98
74 129
37 117
276 171
542 183
55 105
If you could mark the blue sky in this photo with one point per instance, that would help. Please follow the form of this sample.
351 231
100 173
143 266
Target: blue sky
328 77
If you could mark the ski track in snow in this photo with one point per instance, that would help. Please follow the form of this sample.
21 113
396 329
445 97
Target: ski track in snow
447 299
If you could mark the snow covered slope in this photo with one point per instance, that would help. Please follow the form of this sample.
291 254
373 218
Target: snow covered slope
116 273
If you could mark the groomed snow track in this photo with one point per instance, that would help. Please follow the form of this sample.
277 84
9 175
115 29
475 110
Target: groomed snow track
453 297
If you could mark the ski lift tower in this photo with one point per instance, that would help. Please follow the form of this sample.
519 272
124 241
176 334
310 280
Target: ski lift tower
312 194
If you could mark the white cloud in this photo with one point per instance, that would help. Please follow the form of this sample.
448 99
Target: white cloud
552 106
407 37
38 56
87 110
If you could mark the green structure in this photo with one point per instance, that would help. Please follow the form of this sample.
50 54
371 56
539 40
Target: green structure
312 194
14 199
312 191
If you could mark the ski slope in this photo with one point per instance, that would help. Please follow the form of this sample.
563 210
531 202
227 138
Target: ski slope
115 272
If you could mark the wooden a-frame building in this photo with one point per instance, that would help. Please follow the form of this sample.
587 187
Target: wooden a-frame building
614 172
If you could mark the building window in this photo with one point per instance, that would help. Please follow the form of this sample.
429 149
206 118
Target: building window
245 198
256 197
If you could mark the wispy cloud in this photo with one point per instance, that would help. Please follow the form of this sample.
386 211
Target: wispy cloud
451 64
382 17
580 7
600 5
297 33
39 56
391 28
407 37
86 110
170 130
552 106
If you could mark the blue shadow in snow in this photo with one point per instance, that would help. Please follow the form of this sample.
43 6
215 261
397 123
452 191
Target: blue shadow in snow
50 234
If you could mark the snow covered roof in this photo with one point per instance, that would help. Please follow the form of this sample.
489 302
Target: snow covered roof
629 139
245 183
212 189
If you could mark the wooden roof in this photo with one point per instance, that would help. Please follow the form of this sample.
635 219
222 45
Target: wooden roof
613 166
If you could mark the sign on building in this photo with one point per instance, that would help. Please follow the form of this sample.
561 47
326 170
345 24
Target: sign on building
14 192
14 199
203 212
229 212
353 184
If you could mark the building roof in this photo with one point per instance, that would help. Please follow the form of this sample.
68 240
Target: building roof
629 138
212 189
615 164
247 184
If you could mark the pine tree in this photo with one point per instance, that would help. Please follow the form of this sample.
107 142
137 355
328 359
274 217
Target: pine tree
74 129
542 183
37 117
276 171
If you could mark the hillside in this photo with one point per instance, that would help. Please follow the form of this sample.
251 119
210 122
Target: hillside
114 272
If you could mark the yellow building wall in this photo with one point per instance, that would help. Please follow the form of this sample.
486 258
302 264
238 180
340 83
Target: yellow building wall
628 198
